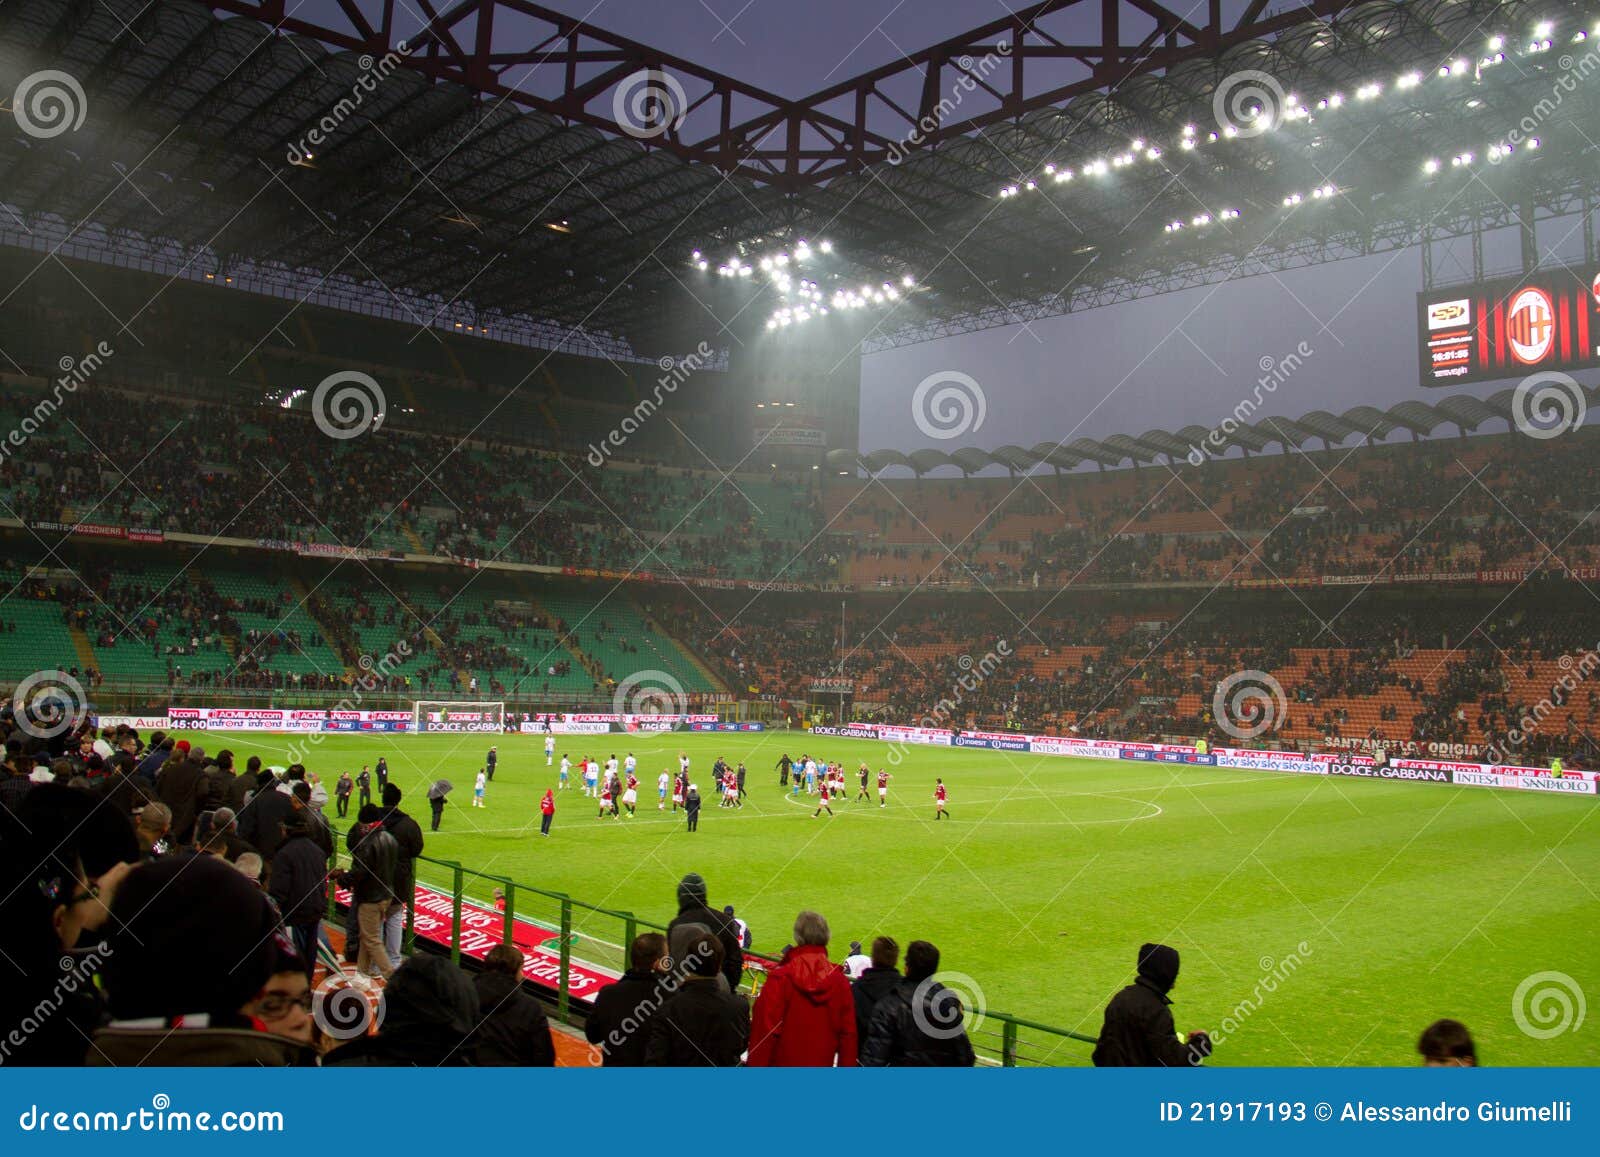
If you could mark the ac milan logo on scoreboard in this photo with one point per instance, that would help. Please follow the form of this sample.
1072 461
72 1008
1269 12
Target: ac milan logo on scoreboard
1530 326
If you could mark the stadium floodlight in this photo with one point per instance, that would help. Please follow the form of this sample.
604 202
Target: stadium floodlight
908 281
1496 43
1533 142
1228 131
1408 80
1369 91
1430 166
702 265
1543 29
826 246
745 271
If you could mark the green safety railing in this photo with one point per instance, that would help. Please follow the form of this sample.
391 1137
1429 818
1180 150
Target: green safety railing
997 1037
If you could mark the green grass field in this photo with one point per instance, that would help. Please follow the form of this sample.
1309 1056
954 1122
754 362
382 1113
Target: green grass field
1349 913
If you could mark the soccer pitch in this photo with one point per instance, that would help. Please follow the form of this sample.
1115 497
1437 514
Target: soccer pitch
1320 922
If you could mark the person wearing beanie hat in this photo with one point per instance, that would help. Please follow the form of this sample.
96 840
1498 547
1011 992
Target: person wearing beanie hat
692 909
1139 1029
194 946
180 785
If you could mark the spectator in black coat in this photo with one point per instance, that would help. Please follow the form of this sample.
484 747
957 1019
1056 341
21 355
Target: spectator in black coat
373 859
875 983
701 1025
619 1022
299 883
920 1023
407 832
179 785
261 822
512 1028
1138 1029
692 909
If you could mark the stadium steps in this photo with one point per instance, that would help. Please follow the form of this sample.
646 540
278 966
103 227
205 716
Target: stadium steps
85 649
414 539
718 684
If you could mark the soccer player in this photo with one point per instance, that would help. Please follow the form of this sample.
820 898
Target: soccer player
939 811
822 803
494 757
549 748
683 764
566 769
738 778
730 789
591 776
611 771
629 764
784 764
811 777
883 787
630 796
605 803
680 788
477 787
661 792
862 773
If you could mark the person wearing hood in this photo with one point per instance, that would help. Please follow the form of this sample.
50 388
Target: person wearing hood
692 909
429 1012
374 866
806 1014
261 822
512 1028
1138 1029
199 972
920 1022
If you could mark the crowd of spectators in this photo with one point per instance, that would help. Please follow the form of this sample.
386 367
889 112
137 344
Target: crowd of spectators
167 908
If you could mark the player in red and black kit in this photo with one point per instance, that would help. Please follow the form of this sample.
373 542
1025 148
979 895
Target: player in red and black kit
883 787
862 773
822 805
939 811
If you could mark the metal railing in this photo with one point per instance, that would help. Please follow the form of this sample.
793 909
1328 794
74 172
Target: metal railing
998 1038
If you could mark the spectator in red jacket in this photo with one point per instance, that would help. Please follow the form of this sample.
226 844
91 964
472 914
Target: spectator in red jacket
547 811
806 1013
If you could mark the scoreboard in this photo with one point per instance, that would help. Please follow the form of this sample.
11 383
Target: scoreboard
1510 327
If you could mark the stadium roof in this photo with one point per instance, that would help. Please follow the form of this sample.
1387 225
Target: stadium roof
1463 413
495 168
